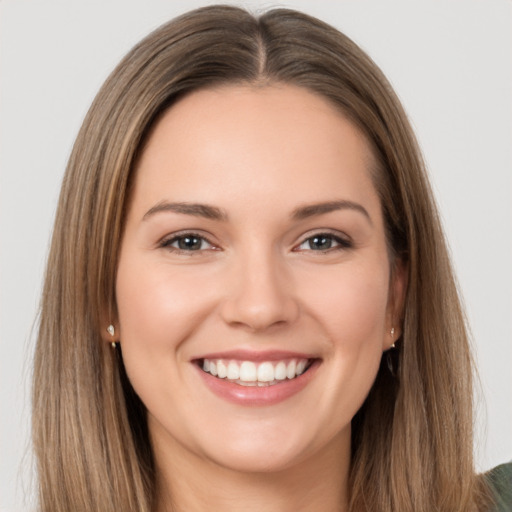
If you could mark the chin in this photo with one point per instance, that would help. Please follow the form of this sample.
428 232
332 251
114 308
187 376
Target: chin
264 447
249 459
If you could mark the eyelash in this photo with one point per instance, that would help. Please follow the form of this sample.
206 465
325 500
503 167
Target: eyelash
167 243
342 243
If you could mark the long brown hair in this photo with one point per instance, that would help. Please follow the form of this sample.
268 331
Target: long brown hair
89 427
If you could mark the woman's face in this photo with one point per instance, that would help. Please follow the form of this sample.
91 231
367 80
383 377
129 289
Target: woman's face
253 288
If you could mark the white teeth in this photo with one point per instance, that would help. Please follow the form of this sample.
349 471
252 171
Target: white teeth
290 369
280 371
222 370
249 373
265 372
233 371
301 366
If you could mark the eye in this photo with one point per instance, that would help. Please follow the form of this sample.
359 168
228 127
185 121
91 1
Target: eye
322 242
187 242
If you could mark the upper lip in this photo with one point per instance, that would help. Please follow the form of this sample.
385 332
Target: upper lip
255 355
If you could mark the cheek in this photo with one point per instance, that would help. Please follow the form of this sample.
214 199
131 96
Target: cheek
159 309
159 306
353 318
350 303
361 311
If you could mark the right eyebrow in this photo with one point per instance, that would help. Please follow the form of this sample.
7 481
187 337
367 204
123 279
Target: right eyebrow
195 209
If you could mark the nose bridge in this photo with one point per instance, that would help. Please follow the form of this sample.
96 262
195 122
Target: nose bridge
261 293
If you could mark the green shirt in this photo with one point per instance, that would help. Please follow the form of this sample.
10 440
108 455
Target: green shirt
500 481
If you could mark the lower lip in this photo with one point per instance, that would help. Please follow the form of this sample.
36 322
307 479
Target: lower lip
256 395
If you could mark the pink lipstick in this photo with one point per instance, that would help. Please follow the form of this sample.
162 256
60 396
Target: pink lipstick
256 378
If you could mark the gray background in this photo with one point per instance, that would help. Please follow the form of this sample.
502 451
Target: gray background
450 63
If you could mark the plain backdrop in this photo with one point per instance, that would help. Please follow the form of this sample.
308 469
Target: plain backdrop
450 63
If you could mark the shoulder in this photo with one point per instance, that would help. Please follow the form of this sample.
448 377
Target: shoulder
499 480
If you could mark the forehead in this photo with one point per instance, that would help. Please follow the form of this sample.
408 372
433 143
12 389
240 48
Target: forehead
214 144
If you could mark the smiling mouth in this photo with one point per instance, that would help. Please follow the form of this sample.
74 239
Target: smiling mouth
252 374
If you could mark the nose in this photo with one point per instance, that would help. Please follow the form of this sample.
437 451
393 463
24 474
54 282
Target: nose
261 295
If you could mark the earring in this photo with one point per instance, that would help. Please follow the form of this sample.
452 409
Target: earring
112 331
391 355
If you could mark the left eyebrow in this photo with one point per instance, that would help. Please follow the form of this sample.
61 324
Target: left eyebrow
310 210
194 209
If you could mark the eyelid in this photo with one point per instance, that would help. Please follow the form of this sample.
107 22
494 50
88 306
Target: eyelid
344 241
166 241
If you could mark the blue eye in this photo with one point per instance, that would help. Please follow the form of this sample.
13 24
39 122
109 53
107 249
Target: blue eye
188 242
323 242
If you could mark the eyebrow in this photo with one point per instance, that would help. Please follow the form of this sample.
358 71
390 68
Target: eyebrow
195 209
215 213
303 212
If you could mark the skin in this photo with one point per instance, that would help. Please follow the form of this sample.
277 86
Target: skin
259 283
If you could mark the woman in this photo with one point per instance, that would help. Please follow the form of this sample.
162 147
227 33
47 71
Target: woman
249 303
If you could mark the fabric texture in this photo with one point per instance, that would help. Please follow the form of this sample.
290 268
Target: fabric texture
500 481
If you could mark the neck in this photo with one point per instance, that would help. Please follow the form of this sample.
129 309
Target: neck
191 484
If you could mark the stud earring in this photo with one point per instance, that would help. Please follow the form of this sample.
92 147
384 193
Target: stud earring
112 331
391 355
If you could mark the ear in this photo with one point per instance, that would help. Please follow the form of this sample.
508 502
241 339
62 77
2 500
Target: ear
396 302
